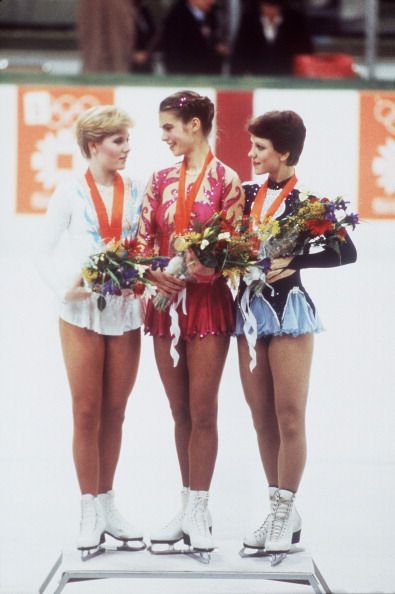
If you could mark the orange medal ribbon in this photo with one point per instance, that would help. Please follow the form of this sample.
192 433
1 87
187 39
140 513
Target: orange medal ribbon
113 230
256 210
184 203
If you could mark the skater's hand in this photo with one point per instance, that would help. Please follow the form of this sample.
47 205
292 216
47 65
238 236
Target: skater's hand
279 269
166 283
78 291
196 269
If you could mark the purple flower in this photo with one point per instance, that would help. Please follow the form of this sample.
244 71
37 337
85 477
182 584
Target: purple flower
265 264
159 262
341 204
130 273
110 288
352 219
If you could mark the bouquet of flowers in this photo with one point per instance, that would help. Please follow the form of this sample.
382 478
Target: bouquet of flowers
119 270
315 222
175 266
217 245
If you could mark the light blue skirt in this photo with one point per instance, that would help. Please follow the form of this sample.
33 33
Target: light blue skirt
298 317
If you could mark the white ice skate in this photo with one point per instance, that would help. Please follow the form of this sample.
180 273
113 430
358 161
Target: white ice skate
197 526
117 526
257 540
91 528
171 533
285 527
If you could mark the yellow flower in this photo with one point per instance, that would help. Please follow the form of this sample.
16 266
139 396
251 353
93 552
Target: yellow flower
180 244
233 275
268 229
89 275
193 237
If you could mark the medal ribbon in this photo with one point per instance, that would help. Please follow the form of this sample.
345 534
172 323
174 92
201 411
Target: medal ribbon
256 210
113 230
184 203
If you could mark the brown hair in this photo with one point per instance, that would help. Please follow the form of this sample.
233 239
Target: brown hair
285 130
187 105
98 122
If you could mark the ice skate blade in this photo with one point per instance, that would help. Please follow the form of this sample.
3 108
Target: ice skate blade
171 549
131 545
126 546
201 556
276 558
87 554
245 554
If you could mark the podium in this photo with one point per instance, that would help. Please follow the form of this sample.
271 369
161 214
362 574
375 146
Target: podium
225 564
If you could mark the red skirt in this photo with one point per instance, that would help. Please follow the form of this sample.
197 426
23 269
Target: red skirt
210 311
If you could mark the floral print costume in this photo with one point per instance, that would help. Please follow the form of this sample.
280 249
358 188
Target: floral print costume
209 306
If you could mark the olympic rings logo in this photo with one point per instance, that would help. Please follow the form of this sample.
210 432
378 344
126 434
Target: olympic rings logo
384 112
66 109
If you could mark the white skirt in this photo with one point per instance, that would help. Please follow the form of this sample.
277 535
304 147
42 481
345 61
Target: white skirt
120 315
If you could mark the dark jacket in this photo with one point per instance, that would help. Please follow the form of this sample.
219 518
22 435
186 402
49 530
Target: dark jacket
187 45
254 55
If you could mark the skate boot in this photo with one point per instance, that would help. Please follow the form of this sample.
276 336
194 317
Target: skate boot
91 528
117 526
285 526
257 539
171 532
197 525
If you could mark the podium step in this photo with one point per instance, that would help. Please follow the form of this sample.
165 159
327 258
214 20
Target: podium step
226 564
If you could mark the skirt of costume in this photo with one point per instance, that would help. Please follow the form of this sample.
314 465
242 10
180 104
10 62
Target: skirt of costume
209 310
282 309
297 317
121 314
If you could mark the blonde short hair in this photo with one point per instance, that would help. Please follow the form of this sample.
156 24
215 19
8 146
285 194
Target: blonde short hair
98 122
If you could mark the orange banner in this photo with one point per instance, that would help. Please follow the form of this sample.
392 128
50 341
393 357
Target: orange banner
377 155
47 149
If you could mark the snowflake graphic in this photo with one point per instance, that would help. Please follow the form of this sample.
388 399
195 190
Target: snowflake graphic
56 156
384 166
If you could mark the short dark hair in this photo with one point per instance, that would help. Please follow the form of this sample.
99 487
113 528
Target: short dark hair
187 105
285 130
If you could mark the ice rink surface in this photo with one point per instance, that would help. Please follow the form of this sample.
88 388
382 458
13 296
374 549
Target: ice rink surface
347 493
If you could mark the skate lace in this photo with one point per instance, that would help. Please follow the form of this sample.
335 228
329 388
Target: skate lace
280 518
263 528
199 516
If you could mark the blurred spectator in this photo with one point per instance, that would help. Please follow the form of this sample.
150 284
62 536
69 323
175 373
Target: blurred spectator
106 34
269 36
191 41
145 39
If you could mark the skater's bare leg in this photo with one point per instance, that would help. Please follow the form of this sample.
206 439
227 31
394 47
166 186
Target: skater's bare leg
176 384
291 382
121 361
259 394
84 353
206 358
